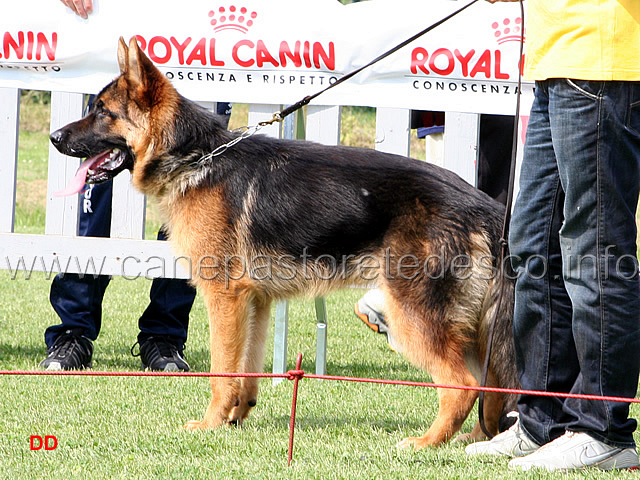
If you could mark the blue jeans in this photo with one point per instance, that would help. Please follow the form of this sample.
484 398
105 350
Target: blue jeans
573 247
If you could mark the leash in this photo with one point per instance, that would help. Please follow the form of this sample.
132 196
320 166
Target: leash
504 244
279 116
246 132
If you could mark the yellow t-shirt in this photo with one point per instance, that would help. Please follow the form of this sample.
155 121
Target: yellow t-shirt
583 39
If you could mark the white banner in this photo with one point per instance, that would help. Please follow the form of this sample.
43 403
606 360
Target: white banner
276 51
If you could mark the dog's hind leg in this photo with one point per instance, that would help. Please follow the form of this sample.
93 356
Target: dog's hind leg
437 346
253 359
454 405
228 329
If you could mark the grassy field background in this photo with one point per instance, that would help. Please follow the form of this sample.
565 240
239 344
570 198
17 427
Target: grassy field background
131 428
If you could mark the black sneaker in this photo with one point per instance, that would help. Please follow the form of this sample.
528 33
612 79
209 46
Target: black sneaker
161 354
69 352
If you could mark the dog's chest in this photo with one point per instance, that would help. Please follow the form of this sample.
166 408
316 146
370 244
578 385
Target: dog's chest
198 223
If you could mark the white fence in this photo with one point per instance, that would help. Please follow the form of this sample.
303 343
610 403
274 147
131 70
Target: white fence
127 252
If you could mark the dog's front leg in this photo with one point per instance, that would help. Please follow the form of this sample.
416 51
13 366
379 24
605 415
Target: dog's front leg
228 328
253 358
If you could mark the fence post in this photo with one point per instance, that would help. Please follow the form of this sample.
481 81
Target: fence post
9 121
321 336
128 207
323 126
392 130
62 212
258 113
461 132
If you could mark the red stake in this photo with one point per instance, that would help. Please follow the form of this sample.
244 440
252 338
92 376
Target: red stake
294 375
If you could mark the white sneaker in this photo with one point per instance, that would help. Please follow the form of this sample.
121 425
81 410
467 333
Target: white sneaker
510 443
374 298
576 451
370 309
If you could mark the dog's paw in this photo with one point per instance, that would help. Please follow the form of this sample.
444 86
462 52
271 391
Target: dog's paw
406 443
416 443
234 422
240 412
464 438
193 425
202 425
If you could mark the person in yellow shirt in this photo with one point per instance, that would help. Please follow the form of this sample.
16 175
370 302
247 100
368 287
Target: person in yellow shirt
573 239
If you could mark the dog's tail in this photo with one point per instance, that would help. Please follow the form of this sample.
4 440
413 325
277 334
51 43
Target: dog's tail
498 308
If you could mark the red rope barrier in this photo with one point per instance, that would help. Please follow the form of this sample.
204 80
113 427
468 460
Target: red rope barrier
478 389
294 375
97 373
298 374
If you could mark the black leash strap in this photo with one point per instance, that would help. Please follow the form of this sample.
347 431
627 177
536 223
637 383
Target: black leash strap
279 116
503 240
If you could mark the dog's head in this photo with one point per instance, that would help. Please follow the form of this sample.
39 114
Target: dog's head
124 126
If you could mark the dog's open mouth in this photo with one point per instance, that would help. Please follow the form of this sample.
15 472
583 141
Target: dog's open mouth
97 169
105 165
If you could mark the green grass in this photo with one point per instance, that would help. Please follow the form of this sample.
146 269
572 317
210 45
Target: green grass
31 187
118 427
131 428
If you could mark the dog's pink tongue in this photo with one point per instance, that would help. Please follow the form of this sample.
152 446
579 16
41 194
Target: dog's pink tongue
79 179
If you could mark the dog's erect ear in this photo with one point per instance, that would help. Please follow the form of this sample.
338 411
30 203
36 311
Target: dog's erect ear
140 70
123 55
135 64
143 79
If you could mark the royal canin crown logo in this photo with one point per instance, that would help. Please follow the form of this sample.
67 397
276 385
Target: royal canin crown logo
232 18
508 30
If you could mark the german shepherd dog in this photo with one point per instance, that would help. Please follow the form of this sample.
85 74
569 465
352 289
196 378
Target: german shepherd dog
273 219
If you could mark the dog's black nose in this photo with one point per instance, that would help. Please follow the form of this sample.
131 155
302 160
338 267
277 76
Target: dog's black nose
57 137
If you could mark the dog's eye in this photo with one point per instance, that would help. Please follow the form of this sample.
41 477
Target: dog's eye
103 112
